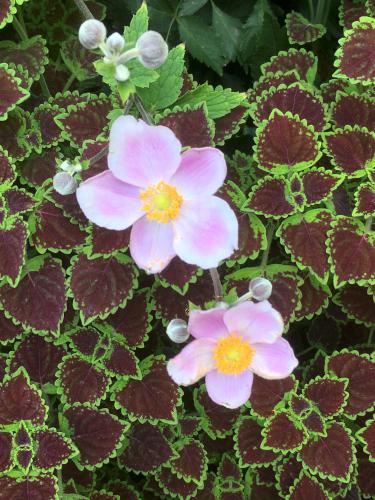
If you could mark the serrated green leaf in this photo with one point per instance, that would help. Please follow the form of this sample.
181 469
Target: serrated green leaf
107 71
138 25
228 28
141 76
190 7
164 92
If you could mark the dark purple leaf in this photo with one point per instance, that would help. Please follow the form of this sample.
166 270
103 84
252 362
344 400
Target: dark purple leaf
11 92
53 449
5 451
121 361
107 241
228 125
18 200
41 487
354 110
8 330
266 394
308 488
300 60
191 462
357 304
30 54
365 200
269 197
13 239
179 274
248 439
300 30
327 394
38 169
283 434
318 184
44 115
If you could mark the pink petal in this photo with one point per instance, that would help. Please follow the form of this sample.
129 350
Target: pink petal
108 202
142 154
151 245
256 322
207 324
206 232
192 363
201 173
273 361
231 391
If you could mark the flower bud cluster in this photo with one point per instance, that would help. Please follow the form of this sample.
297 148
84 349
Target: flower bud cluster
150 49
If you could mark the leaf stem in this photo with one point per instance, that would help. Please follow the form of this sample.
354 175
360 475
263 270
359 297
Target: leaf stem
69 83
218 289
85 11
368 225
319 11
270 233
370 337
142 110
305 351
60 484
311 10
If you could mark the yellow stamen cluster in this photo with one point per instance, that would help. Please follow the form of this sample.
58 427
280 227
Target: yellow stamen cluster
161 202
233 355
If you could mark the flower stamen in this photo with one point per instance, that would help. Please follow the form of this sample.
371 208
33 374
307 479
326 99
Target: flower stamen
161 202
233 354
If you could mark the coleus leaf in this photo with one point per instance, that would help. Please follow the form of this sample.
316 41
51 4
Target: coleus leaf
96 433
42 486
248 440
39 357
85 121
189 425
8 330
286 295
367 436
173 486
99 286
330 456
146 449
44 114
287 472
329 395
299 404
153 398
6 461
307 487
69 205
123 490
319 183
217 421
314 298
178 274
352 252
324 333
304 237
103 495
106 241
228 125
269 80
283 433
352 109
88 343
12 135
354 58
360 372
38 302
294 98
134 321
355 301
284 143
18 200
7 10
192 126
266 394
271 197
329 89
37 169
365 200
314 423
366 475
11 92
352 149
89 150
252 239
350 11
53 449
300 30
303 62
54 231
78 60
13 239
81 382
31 54
20 400
191 461
7 173
121 361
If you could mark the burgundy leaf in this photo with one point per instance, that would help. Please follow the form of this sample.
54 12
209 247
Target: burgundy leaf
331 455
107 241
18 200
22 437
20 401
282 433
327 394
122 361
174 485
54 230
191 126
80 477
354 110
357 304
38 302
78 60
12 135
284 143
100 285
90 150
96 433
251 238
179 274
352 149
191 462
44 115
351 11
132 322
300 30
5 451
365 200
207 493
361 375
85 340
220 420
269 80
318 184
11 93
81 382
13 239
288 472
146 449
38 169
305 488
52 449
8 330
123 490
39 357
101 495
269 197
324 333
304 237
352 251
366 475
368 436
29 53
266 394
299 404
7 174
328 89
189 425
300 60
63 100
41 487
314 298
295 99
228 125
248 439
69 205
152 398
285 294
229 468
314 423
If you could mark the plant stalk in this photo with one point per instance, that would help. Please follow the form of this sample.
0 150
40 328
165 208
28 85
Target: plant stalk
85 11
218 289
270 233
146 117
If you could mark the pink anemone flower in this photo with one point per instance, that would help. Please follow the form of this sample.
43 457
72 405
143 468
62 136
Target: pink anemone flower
165 194
230 346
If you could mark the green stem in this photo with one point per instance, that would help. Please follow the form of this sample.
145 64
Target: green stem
326 12
69 83
370 337
311 10
146 117
60 484
368 225
270 233
85 11
319 11
218 289
305 351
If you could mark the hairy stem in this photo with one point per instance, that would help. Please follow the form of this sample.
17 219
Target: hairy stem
218 289
270 233
146 117
85 11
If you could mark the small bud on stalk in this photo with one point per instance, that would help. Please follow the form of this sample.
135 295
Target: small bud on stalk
115 43
177 331
64 183
92 33
122 73
260 288
152 49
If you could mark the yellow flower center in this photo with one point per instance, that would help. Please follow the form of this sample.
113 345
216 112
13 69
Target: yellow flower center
233 354
161 202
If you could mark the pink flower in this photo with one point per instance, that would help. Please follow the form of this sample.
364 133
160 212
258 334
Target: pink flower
166 195
230 346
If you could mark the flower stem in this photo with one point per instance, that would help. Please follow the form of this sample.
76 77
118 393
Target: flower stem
86 13
218 289
146 117
270 233
305 351
370 337
69 83
311 10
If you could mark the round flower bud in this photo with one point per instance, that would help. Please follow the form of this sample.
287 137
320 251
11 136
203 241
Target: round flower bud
115 43
64 183
122 73
260 288
92 33
177 331
153 50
